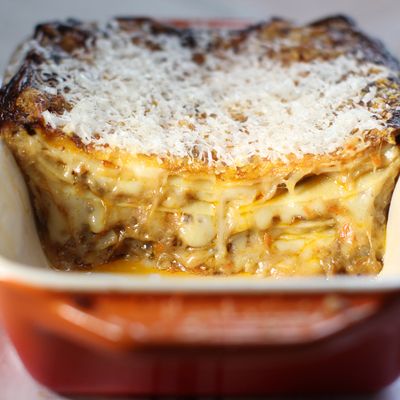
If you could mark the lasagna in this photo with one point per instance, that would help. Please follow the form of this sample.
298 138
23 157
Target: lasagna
269 149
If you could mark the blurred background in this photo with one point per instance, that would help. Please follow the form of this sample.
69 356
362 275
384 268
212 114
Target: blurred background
17 17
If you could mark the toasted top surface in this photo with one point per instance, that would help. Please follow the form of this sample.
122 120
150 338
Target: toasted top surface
272 92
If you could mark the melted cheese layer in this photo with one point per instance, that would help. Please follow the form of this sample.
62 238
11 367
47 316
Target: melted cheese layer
324 222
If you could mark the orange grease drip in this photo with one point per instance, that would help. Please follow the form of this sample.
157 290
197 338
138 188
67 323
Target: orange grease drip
139 268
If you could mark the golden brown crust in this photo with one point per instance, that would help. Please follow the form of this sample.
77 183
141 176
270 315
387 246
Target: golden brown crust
23 104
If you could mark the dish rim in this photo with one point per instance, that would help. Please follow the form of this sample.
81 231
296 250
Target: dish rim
14 272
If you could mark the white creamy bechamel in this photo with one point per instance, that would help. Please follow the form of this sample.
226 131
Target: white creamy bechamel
227 108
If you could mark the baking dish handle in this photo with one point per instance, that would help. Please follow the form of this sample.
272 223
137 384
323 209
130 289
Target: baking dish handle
118 321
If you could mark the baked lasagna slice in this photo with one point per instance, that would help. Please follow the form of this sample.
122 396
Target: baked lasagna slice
269 150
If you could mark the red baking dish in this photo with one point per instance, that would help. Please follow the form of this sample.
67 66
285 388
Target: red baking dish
114 334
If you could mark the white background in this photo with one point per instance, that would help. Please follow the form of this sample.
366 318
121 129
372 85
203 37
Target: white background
380 18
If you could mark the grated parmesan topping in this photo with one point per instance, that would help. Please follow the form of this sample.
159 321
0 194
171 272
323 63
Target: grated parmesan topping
224 108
